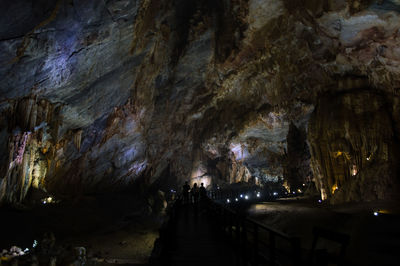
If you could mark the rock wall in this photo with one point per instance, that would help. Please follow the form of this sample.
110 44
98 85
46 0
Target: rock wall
101 96
354 147
297 170
29 146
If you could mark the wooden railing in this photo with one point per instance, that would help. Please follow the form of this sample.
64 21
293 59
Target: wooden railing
256 244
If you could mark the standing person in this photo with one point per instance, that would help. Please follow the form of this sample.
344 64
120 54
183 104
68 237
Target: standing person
203 196
195 194
185 192
202 192
195 197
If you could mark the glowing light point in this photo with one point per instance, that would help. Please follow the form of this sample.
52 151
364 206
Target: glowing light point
35 243
258 194
228 200
319 201
376 213
241 195
236 199
275 193
354 170
246 197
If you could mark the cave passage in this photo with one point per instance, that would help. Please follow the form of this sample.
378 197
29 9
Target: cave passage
286 112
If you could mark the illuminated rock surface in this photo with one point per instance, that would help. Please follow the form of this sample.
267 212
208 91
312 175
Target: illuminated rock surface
98 96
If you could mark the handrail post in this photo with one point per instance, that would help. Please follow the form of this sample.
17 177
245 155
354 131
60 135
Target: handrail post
244 240
296 251
224 221
237 222
230 224
272 247
255 244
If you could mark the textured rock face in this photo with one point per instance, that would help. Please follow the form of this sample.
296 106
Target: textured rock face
100 95
354 147
66 74
297 162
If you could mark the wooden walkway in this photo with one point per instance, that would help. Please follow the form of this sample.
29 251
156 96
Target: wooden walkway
193 239
216 235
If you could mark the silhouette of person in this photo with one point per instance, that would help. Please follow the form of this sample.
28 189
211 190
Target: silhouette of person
203 196
195 199
185 192
202 192
195 193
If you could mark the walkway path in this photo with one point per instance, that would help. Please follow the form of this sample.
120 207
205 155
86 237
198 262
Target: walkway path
194 240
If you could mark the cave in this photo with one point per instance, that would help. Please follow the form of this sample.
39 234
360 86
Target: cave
285 112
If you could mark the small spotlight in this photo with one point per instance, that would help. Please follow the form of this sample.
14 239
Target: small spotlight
294 192
376 213
241 195
275 193
246 197
304 185
319 201
228 200
258 195
236 199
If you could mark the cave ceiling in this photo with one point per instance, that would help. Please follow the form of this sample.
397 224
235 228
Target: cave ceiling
100 94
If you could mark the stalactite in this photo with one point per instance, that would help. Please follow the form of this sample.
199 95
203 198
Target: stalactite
30 120
26 107
20 143
26 176
33 117
344 132
78 139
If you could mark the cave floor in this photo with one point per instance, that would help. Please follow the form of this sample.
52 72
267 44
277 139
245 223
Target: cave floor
114 229
374 240
196 241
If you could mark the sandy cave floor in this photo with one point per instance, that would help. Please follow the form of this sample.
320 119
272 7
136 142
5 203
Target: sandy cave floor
114 229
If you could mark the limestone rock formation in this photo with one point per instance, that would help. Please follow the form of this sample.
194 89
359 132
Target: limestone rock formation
103 95
354 147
